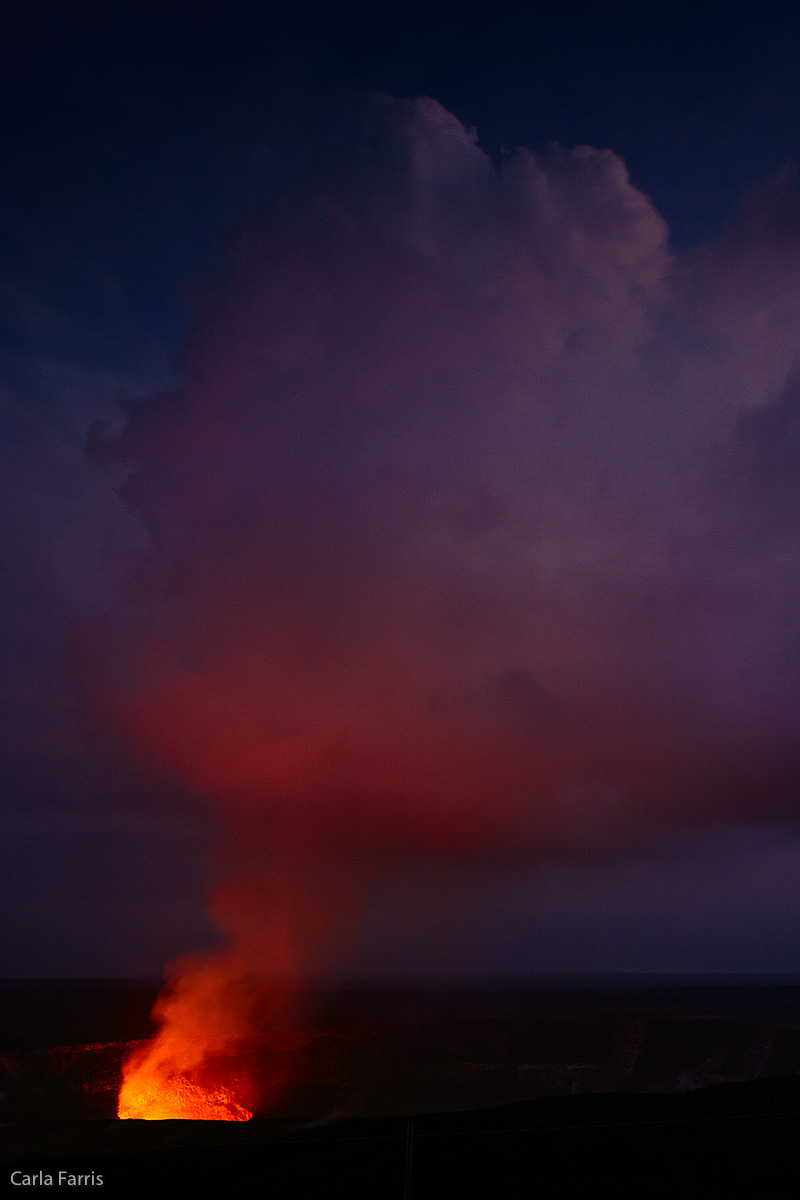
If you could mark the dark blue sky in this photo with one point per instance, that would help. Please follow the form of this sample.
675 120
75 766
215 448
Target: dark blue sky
132 137
133 132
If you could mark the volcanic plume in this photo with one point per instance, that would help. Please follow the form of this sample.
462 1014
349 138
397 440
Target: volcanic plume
464 536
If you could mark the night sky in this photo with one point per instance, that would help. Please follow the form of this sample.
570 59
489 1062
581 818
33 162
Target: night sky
400 487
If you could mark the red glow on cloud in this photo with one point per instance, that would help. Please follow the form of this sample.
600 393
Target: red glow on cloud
442 559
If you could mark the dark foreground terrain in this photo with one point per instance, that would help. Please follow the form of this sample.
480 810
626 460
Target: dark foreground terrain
657 1091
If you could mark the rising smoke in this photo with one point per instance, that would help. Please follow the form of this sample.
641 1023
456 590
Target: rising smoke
471 530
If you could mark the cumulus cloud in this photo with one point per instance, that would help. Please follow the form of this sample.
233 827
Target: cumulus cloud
471 530
454 515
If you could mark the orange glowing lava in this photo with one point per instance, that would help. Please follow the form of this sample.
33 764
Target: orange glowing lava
176 1098
192 1069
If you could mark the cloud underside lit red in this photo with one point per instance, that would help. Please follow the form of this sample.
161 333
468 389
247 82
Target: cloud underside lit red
469 532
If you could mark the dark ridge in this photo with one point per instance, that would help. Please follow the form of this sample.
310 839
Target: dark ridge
727 1142
49 1013
43 1016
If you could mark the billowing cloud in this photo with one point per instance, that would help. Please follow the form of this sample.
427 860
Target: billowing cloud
471 529
457 512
